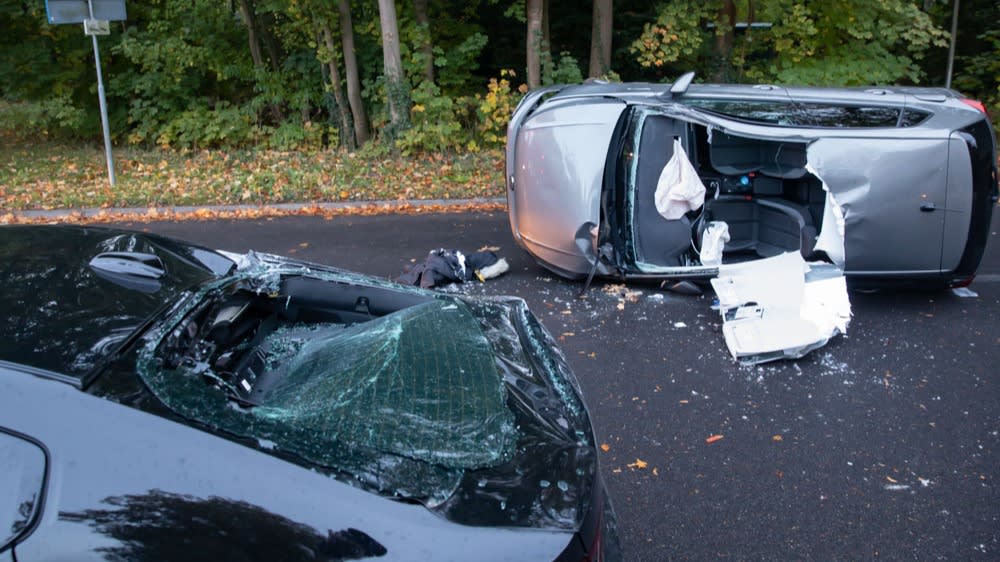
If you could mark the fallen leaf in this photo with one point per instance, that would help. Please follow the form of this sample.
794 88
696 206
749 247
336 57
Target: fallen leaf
777 438
605 447
891 479
685 401
639 463
713 439
655 472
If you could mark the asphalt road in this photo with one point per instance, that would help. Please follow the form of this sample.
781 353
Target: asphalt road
884 444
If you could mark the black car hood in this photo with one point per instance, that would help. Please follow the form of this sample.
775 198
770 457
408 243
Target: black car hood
63 315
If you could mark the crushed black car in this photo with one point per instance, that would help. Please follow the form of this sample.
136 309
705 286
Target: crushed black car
160 400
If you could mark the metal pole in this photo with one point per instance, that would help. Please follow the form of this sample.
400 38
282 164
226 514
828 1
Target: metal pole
104 104
951 47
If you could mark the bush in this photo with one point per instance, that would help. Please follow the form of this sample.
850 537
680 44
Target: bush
434 123
496 108
203 127
51 117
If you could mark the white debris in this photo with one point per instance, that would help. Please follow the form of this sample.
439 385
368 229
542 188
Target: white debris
965 292
780 307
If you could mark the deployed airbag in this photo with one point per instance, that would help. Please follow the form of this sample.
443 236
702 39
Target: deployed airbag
679 188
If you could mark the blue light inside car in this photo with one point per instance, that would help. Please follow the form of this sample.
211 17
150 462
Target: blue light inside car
744 180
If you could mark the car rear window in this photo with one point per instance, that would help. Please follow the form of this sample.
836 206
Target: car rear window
826 115
405 402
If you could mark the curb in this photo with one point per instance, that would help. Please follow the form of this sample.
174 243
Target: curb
203 212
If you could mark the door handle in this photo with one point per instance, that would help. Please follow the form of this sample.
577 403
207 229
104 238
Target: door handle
927 207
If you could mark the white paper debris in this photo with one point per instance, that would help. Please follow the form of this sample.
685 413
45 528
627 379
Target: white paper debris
965 292
680 325
780 307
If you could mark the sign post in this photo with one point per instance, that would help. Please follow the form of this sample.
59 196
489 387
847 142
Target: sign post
94 15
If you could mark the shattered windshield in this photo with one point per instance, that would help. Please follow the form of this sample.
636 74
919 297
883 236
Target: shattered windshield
404 402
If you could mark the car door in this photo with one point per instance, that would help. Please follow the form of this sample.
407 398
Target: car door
891 182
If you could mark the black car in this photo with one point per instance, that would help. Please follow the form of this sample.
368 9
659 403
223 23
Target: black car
163 401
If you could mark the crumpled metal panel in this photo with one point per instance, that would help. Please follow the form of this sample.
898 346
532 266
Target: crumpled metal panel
780 307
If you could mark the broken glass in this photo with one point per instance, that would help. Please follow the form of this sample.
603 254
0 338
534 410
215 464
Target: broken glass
404 402
464 405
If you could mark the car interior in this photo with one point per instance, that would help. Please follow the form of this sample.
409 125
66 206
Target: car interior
759 188
228 339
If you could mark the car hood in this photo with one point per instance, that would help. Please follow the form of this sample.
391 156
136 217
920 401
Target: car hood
559 161
64 314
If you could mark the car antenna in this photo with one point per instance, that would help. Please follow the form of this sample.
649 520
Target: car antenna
680 86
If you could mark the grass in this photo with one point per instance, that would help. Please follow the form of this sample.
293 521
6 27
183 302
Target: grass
45 174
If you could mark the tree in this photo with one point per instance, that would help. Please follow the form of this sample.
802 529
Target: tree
850 42
361 133
331 50
396 89
725 33
600 38
534 13
426 41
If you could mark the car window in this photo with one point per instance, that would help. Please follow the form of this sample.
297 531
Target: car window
827 115
22 464
408 400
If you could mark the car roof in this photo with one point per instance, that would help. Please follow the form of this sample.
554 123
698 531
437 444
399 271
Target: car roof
66 316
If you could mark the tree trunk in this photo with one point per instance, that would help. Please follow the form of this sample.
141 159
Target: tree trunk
724 41
361 133
427 48
546 35
600 39
250 18
396 90
270 41
534 45
338 94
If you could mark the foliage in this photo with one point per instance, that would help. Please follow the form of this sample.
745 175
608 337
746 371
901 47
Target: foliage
496 108
978 73
563 71
675 34
44 174
181 74
851 42
48 117
434 123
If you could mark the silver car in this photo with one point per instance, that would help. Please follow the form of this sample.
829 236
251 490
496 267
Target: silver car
890 184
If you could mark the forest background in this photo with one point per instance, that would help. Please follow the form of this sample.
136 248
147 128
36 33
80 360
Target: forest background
270 101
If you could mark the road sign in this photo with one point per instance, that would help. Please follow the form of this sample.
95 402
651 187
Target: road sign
96 27
77 11
94 15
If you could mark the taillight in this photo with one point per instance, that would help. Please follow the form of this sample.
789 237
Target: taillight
975 104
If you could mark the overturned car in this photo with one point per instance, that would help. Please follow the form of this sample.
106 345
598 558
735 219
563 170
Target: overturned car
160 401
888 184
